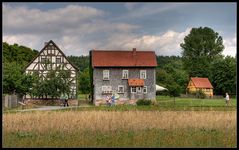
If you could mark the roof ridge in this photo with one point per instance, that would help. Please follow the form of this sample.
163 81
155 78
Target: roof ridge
119 51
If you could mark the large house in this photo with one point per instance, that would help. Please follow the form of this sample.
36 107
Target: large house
130 74
52 54
196 84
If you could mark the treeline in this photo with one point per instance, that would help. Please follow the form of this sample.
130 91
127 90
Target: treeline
170 72
15 58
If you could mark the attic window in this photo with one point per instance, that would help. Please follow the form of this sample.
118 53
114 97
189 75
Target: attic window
58 60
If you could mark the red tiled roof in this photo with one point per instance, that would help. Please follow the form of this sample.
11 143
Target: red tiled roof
201 82
136 82
103 58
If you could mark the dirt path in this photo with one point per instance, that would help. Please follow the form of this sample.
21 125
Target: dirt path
51 108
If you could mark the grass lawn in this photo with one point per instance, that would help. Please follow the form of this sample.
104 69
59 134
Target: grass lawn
193 102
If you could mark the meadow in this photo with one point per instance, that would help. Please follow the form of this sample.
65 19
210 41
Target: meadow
119 129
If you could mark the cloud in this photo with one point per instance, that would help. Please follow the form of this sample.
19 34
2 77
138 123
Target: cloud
230 45
168 43
25 20
148 9
130 6
75 28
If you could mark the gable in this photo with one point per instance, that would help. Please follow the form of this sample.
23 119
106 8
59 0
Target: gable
51 53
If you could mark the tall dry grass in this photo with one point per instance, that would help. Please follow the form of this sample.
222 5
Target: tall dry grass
70 121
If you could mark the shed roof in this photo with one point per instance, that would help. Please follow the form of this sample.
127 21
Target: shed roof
110 58
201 82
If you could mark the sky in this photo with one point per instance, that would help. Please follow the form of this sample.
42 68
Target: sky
79 27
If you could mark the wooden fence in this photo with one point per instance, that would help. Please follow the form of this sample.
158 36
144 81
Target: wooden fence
195 96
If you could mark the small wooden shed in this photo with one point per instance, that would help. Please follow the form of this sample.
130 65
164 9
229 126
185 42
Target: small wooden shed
196 83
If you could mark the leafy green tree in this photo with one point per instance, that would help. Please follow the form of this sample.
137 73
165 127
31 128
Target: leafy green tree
56 82
15 80
20 54
223 75
84 82
200 47
82 62
174 90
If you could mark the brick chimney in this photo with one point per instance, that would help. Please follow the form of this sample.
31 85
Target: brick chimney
134 51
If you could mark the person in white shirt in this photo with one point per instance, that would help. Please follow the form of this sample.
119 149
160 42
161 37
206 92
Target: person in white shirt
227 99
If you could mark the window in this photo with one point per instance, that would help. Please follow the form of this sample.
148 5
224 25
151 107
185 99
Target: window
142 74
133 89
138 89
120 89
58 60
43 59
125 74
145 89
106 89
106 75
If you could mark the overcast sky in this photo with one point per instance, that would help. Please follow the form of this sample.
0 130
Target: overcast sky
79 27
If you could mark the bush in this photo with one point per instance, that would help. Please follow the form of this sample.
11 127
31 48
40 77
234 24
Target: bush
200 94
143 102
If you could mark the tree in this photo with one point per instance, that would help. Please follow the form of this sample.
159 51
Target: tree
200 47
56 82
84 81
174 90
223 75
15 80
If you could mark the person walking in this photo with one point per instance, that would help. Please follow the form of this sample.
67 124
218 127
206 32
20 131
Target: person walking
108 100
227 99
66 100
113 99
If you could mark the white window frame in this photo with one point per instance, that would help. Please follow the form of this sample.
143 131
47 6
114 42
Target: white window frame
119 88
106 74
106 89
145 90
141 74
125 72
132 90
138 89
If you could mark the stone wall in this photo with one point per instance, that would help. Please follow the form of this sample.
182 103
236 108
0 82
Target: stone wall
117 102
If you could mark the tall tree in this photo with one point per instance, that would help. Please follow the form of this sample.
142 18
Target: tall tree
200 47
223 75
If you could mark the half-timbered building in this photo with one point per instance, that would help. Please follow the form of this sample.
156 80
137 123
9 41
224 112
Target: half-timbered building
52 54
